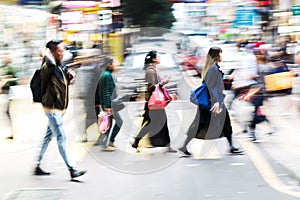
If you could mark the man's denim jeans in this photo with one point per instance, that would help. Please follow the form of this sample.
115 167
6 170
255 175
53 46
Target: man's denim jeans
55 128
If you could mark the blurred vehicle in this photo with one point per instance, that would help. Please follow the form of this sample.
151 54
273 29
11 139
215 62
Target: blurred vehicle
228 64
131 75
196 53
192 58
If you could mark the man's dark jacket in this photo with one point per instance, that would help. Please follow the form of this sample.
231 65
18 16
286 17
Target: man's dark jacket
54 84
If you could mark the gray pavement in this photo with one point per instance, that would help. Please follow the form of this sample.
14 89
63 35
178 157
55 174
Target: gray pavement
282 147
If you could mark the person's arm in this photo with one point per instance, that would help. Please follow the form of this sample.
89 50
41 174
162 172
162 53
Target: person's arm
151 80
211 82
47 70
215 89
251 93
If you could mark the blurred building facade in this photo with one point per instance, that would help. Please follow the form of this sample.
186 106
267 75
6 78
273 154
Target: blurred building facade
229 18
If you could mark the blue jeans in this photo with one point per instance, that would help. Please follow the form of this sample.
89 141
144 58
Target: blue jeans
55 128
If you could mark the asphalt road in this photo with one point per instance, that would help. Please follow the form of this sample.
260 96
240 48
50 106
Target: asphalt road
213 173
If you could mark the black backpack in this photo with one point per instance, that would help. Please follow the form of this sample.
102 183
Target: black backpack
36 86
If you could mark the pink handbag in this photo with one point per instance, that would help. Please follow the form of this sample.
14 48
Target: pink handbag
159 98
103 122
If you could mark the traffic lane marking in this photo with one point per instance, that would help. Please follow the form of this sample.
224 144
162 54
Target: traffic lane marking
266 170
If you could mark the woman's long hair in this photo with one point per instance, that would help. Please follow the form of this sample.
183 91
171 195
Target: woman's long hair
212 58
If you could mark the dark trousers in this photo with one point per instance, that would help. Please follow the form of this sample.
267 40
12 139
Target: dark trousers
257 102
155 124
199 128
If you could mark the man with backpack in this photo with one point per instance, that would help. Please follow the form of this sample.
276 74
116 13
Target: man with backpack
55 79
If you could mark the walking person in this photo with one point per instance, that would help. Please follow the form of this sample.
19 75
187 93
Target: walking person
256 94
55 79
104 94
214 123
154 121
8 75
86 84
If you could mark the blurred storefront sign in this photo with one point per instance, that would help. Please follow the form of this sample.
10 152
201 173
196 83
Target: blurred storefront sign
31 2
187 1
215 1
296 10
9 1
296 2
284 4
288 29
246 16
73 17
79 4
263 3
104 17
110 3
116 42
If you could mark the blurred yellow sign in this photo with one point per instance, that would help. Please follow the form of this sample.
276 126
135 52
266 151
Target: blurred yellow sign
279 81
10 1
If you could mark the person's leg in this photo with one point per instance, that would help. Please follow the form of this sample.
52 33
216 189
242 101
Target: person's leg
103 137
11 135
90 118
227 130
192 131
116 128
159 133
145 128
252 125
56 126
47 138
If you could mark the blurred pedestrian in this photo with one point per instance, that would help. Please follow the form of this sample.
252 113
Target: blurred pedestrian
105 93
243 75
214 123
86 84
256 94
8 77
55 80
154 121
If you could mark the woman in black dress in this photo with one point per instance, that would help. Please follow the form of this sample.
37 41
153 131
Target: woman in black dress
154 121
213 123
